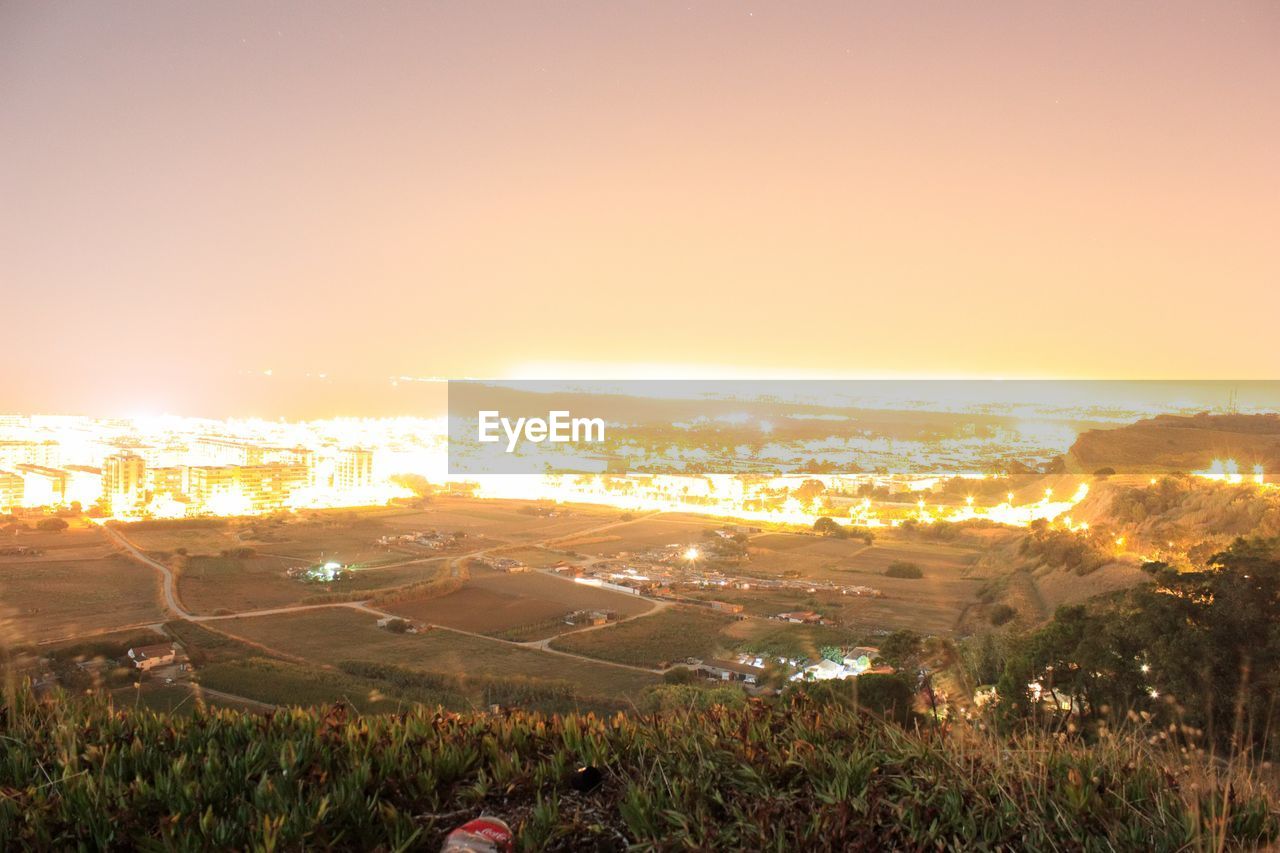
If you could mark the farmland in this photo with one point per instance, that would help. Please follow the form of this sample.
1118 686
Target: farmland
497 603
654 641
651 532
931 604
228 566
334 635
45 599
221 584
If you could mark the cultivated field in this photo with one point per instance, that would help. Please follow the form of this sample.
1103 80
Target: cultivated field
79 542
504 521
43 600
338 634
349 537
651 532
786 639
659 640
931 604
209 585
526 606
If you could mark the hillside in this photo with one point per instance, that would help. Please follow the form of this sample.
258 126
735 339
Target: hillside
1178 519
1180 443
802 773
1182 513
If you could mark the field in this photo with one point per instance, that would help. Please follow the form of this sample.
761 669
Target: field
209 585
526 606
79 542
659 640
785 638
932 604
347 537
281 683
44 600
215 581
651 532
504 521
334 635
93 589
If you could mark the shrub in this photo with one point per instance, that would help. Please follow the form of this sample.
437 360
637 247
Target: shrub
52 525
679 675
1002 614
903 569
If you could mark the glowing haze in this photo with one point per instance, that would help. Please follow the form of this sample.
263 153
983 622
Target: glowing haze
197 194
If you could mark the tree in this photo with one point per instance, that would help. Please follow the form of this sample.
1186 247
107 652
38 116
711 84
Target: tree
1197 647
890 696
902 649
827 526
52 525
808 490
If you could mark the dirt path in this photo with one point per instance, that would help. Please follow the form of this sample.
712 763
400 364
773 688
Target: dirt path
168 581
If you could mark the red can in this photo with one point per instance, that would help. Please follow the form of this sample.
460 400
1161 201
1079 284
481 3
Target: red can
482 835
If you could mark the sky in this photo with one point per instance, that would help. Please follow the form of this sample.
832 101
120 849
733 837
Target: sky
277 209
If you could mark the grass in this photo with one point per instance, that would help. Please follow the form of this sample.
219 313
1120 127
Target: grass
652 641
798 773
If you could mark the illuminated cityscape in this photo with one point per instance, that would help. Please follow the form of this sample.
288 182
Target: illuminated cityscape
185 467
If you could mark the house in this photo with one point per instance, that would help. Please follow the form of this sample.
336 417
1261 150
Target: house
569 569
149 657
502 564
590 617
725 606
849 667
726 670
807 617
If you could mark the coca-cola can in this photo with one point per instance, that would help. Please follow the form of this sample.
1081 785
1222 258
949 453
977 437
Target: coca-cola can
482 835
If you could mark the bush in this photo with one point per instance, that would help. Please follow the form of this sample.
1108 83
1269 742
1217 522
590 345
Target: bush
1002 614
52 525
903 569
679 675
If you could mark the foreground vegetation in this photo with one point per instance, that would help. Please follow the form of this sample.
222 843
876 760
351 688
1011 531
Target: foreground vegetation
805 771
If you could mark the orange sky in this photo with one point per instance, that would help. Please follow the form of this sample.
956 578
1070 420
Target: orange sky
196 193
